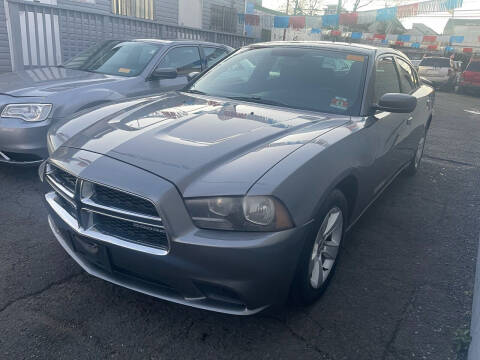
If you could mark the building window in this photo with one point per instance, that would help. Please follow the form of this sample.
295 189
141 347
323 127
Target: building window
223 19
135 8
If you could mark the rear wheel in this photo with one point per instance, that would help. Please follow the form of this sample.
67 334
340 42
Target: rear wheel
320 253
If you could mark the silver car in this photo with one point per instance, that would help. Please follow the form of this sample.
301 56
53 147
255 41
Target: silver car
238 191
32 100
441 71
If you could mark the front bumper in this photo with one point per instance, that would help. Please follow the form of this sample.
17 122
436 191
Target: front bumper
470 85
229 272
22 142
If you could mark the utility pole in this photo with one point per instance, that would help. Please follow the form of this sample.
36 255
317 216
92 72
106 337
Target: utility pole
285 30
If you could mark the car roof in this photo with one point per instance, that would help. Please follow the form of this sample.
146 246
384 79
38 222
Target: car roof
361 48
179 41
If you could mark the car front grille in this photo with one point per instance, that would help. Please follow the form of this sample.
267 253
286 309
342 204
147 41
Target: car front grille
143 234
106 213
64 178
121 200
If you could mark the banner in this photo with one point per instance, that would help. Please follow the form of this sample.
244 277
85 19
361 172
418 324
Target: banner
348 18
330 20
297 22
386 14
407 10
281 21
456 39
251 19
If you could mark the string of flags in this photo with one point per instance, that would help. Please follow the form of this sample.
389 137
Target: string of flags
429 42
328 25
363 17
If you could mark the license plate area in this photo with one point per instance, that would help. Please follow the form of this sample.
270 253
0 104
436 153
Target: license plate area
92 251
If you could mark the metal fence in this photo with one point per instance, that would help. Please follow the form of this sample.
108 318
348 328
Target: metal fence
44 34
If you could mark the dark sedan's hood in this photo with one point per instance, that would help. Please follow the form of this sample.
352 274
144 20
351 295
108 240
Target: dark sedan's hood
48 80
203 145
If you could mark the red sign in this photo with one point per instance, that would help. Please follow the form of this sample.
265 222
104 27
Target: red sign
429 38
335 33
468 50
399 43
380 36
348 18
432 47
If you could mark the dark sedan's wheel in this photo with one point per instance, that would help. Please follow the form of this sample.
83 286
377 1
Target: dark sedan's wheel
320 253
417 158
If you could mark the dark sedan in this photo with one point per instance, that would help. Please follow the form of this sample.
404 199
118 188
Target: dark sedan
238 190
32 100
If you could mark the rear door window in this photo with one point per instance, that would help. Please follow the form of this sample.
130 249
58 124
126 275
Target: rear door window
386 78
214 55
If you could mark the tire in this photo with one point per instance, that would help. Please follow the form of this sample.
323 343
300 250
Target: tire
307 287
412 168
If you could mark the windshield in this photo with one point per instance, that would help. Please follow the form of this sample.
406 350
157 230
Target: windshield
309 79
436 62
474 66
124 58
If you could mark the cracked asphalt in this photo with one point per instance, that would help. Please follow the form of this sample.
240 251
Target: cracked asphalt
403 285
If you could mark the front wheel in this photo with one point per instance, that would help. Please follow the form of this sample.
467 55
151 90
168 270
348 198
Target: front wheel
320 253
417 158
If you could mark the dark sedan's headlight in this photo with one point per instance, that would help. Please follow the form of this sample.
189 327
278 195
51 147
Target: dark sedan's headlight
249 213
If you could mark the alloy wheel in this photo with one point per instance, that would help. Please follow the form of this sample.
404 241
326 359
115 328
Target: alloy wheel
326 247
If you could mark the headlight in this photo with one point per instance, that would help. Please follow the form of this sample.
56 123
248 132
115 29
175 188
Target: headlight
249 213
27 112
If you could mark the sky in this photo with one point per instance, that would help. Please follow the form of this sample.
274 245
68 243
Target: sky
470 9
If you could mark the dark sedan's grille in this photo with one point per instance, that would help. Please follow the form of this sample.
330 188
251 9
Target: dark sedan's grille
120 200
72 211
65 179
132 231
105 213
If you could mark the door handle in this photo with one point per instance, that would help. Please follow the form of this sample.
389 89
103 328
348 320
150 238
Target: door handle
409 120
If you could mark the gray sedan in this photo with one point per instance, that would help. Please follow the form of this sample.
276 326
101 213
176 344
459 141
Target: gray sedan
32 100
238 191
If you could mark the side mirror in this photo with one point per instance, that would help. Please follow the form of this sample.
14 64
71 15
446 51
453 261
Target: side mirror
164 73
191 76
397 103
426 81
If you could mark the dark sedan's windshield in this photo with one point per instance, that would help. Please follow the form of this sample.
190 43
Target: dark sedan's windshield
124 58
302 78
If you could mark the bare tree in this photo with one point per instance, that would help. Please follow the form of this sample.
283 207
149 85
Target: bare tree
302 7
359 4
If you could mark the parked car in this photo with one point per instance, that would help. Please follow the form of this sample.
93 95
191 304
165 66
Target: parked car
32 100
439 70
470 78
238 190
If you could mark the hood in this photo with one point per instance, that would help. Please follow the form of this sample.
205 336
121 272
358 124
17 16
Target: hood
203 145
48 80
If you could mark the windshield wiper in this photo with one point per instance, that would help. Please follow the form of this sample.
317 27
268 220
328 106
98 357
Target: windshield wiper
258 100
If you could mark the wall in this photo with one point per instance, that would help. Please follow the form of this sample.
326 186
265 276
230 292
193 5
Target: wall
4 47
239 5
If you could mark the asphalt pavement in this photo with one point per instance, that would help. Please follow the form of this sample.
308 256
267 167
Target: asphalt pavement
403 287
